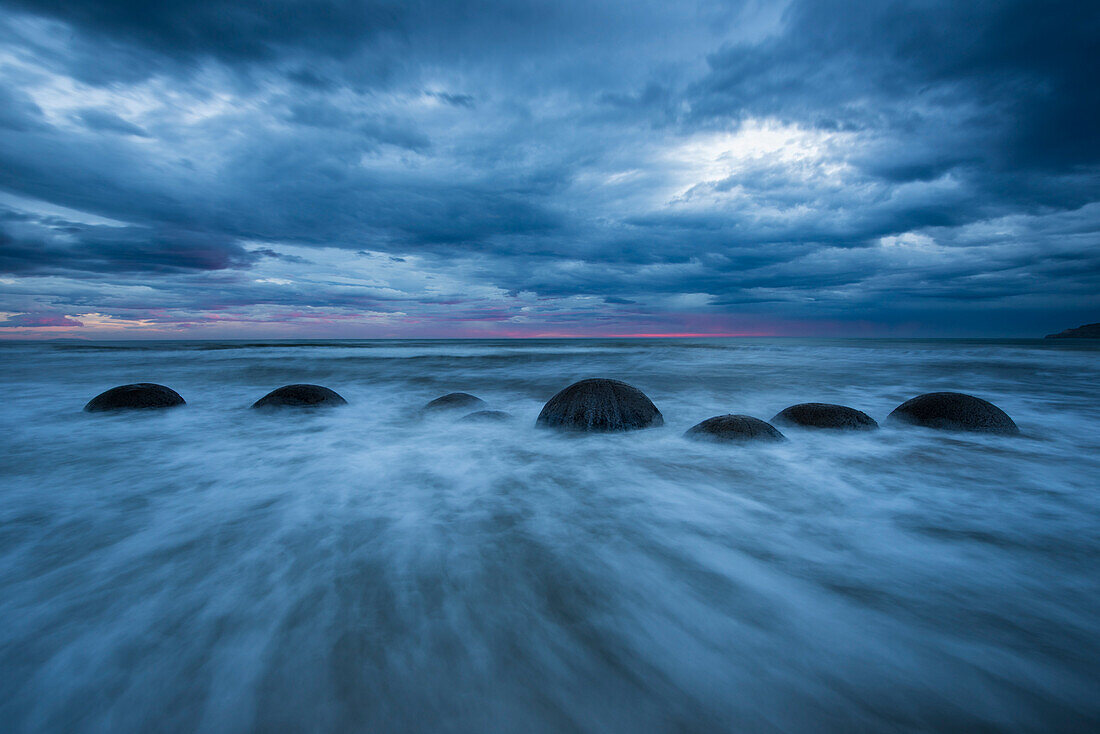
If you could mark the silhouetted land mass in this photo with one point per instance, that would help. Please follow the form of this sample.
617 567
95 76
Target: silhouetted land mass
1088 331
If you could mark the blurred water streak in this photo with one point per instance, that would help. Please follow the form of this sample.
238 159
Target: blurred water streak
211 568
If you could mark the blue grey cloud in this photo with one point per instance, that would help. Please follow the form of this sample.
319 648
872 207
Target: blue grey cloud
565 163
107 121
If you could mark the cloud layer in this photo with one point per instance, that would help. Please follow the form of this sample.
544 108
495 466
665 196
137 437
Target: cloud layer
498 168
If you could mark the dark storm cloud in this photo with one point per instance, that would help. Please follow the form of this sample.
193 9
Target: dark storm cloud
985 86
30 245
268 252
327 44
280 186
370 130
931 156
223 29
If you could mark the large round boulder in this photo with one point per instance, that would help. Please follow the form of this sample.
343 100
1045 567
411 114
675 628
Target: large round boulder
952 411
454 401
486 416
300 396
734 428
600 405
139 396
825 415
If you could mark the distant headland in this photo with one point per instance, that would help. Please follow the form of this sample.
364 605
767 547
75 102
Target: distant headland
1088 331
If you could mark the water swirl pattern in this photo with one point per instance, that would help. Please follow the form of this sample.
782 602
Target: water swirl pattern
373 568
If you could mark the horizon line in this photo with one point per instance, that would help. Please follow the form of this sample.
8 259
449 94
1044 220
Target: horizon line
532 337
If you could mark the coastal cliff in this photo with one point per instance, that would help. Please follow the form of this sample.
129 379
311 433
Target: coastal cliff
1088 331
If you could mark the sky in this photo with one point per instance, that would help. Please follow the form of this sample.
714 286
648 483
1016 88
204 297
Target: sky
379 168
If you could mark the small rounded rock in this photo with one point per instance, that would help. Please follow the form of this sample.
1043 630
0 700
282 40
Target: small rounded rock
734 428
825 415
300 396
138 396
953 411
600 405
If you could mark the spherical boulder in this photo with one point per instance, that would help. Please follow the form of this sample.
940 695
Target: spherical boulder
825 415
300 396
454 401
600 405
953 411
486 416
139 396
734 428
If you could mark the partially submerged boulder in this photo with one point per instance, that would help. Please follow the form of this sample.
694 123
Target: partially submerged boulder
953 411
139 396
734 428
486 416
454 401
300 396
825 415
600 405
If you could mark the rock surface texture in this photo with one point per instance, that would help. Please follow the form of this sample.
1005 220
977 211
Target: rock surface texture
139 396
600 405
734 428
953 411
825 415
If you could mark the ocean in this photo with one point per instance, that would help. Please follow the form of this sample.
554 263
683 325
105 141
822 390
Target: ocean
212 568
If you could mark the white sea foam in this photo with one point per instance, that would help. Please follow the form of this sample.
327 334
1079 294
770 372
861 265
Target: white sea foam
214 568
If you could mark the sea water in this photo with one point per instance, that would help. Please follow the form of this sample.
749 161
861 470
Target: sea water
212 568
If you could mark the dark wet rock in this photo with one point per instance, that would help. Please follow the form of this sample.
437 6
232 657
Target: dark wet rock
139 396
600 405
300 396
486 416
454 401
825 415
734 428
1088 331
953 411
